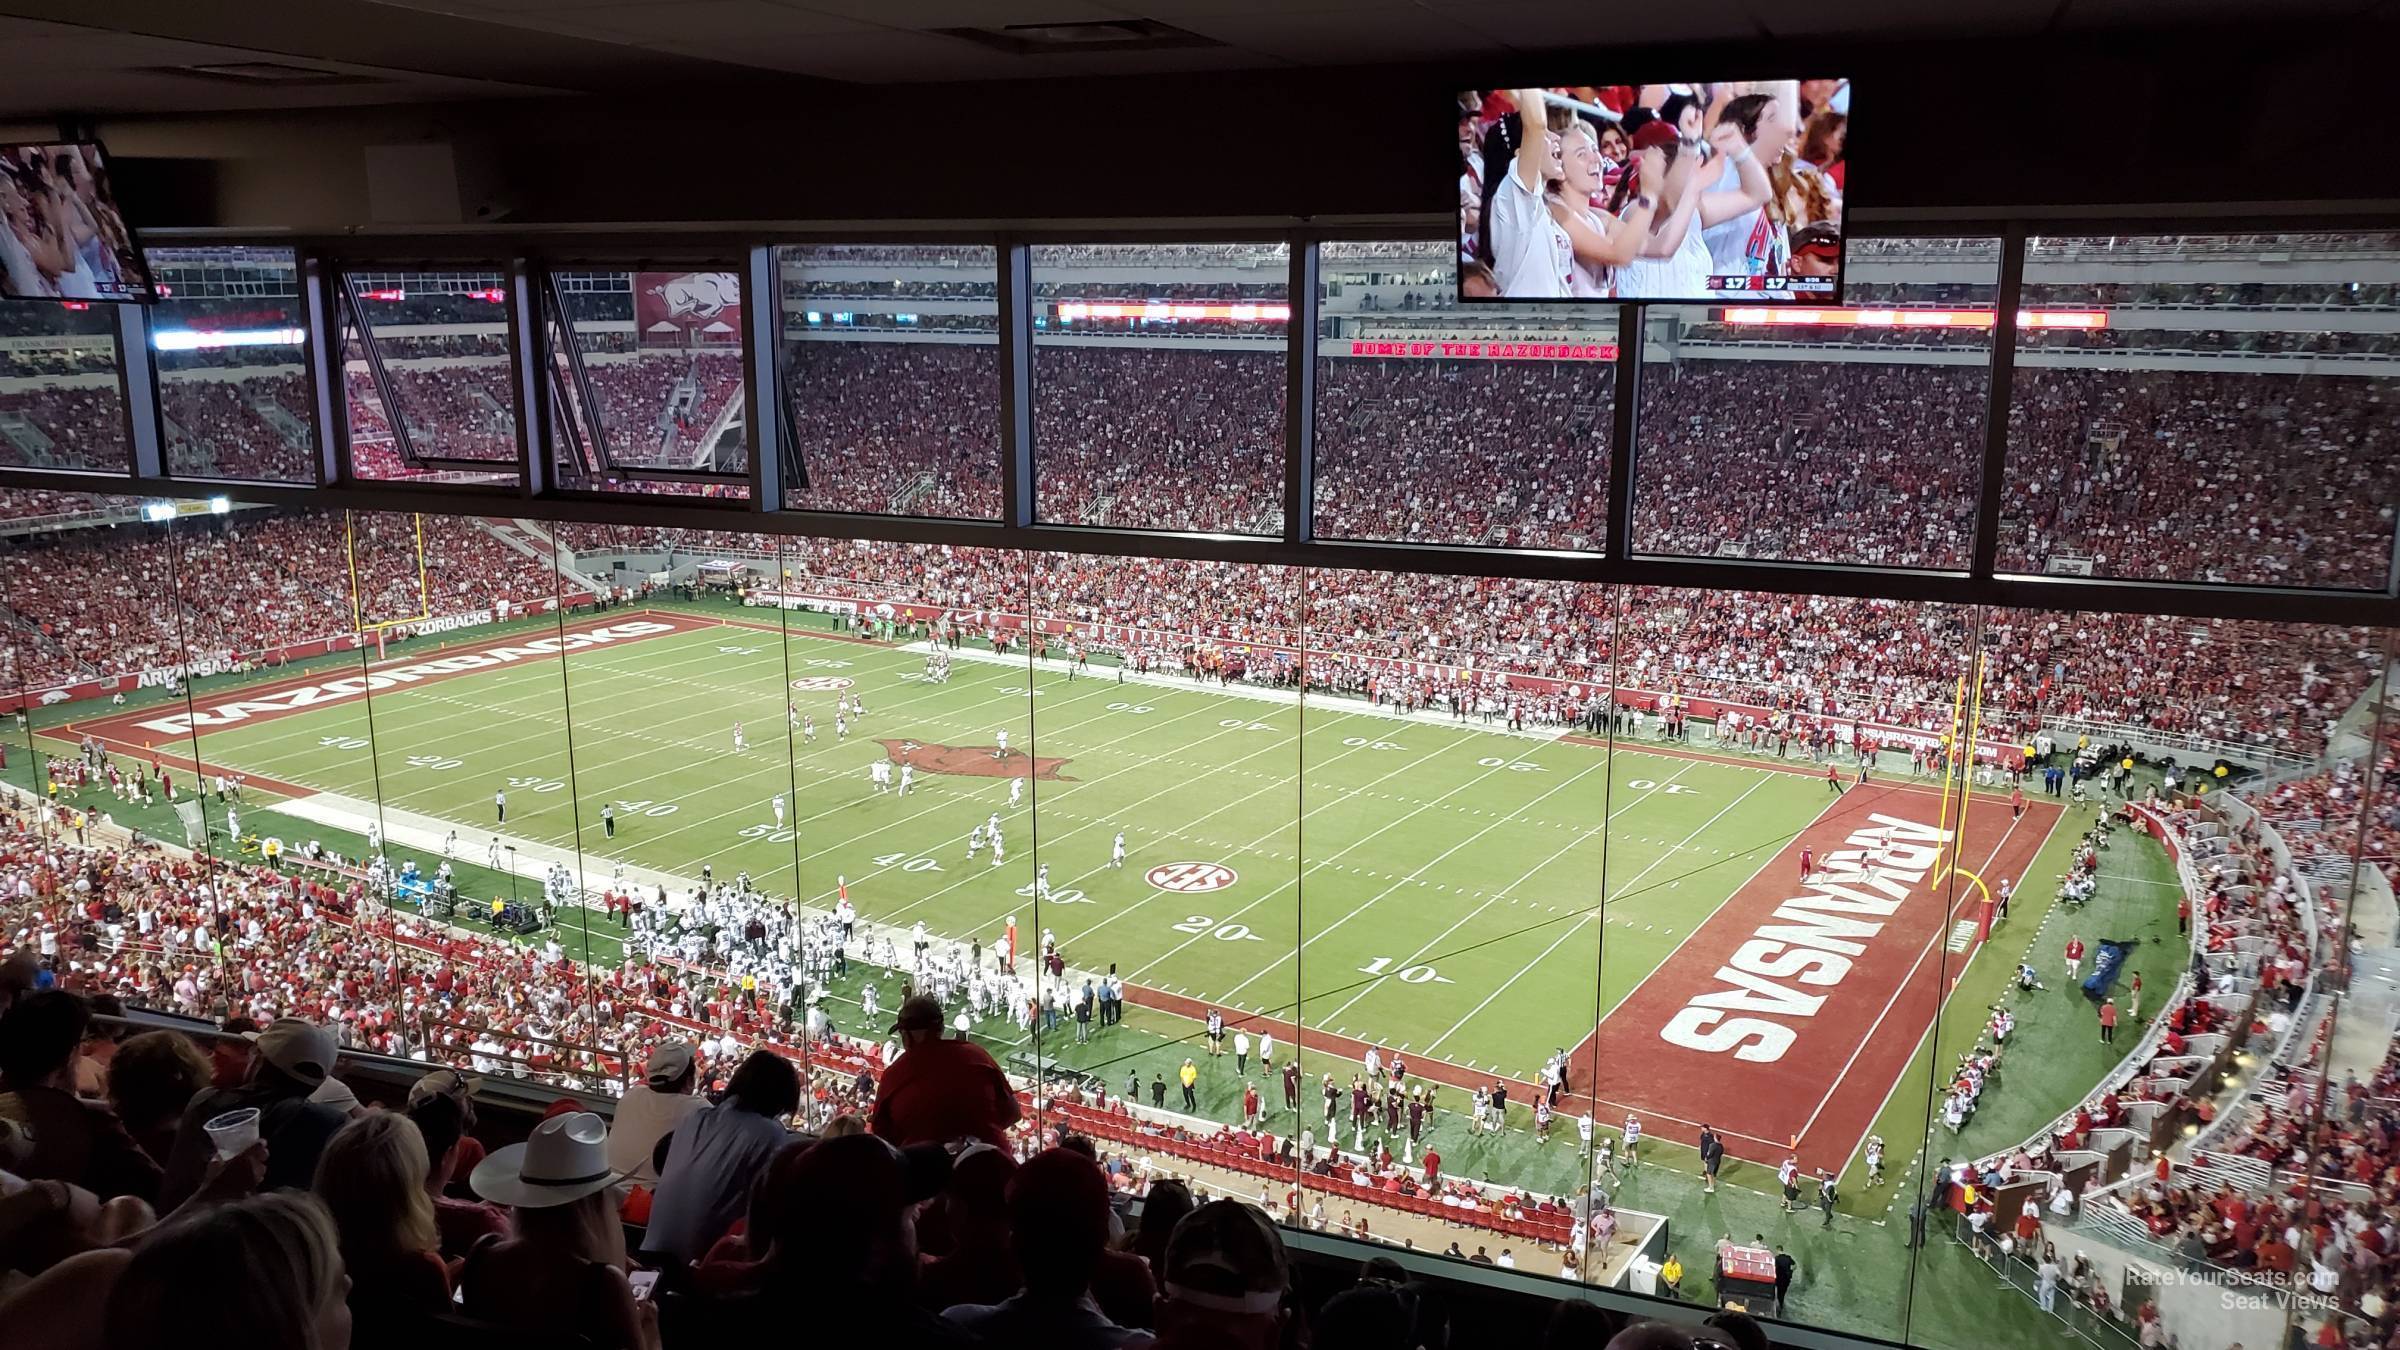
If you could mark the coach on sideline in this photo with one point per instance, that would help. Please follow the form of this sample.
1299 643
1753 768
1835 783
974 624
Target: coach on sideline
940 1090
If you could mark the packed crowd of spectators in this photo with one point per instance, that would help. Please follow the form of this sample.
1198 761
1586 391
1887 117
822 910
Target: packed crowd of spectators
722 1192
63 427
2278 687
1825 461
256 427
93 595
109 601
2268 479
1465 452
2321 1221
1142 437
874 419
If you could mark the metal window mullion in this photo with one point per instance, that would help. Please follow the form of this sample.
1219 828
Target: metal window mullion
395 418
1016 383
322 359
528 363
763 405
1996 401
1624 422
137 385
586 438
1300 394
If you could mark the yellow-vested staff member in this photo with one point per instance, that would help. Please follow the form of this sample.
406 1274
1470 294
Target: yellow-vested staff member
497 906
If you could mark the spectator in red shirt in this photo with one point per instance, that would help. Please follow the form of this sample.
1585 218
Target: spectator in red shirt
941 1090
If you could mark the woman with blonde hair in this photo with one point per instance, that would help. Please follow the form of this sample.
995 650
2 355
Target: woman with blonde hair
565 1267
371 1179
263 1273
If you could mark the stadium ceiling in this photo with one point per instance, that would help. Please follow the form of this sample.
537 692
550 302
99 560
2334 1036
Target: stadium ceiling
95 57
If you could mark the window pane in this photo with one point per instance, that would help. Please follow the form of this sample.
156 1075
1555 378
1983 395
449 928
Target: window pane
662 352
892 361
2232 422
60 405
433 360
226 336
1437 427
1450 870
1811 435
1158 385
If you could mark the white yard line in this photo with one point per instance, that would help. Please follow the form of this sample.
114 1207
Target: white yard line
1586 917
1493 899
1340 795
1034 853
1302 875
1686 940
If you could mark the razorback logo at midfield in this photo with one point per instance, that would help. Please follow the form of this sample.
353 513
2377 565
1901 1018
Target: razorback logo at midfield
974 761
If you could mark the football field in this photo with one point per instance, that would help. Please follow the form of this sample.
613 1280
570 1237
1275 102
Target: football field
1471 898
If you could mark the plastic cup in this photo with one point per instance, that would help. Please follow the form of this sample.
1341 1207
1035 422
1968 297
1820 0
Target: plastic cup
234 1132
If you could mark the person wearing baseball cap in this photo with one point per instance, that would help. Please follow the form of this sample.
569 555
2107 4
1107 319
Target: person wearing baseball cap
940 1090
1224 1281
293 1059
651 1109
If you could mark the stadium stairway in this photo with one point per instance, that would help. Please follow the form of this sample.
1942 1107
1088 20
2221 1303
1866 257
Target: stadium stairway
534 541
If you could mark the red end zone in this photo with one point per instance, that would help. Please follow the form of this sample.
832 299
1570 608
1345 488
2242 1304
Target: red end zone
1793 1010
167 727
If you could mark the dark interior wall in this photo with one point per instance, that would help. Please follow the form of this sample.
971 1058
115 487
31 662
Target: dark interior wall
2286 113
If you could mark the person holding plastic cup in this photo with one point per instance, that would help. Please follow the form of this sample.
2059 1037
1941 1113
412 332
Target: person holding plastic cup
293 1061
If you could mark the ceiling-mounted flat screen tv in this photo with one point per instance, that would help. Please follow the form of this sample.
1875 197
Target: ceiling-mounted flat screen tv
61 234
1662 193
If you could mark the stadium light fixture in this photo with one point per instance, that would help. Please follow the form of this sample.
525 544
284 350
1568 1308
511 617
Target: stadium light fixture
156 512
219 506
1760 316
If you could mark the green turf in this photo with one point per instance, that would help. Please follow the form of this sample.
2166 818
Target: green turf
1444 883
1441 893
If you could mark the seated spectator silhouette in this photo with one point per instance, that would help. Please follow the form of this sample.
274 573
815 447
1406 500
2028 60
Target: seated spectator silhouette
978 1266
939 1090
46 1131
151 1078
266 1271
842 1256
371 1180
563 1271
293 1060
1058 1229
1225 1282
442 1119
652 1109
715 1156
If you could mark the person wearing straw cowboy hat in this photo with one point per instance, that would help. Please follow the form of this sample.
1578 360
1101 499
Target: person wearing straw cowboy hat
565 1270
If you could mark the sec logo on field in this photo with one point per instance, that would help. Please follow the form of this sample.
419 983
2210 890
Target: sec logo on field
1190 878
814 683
